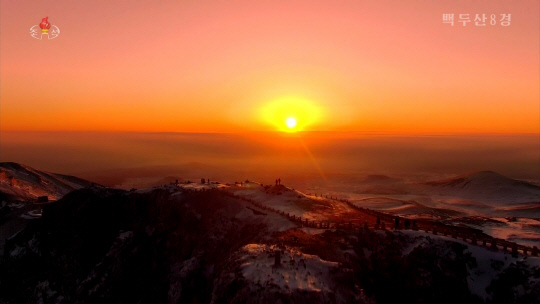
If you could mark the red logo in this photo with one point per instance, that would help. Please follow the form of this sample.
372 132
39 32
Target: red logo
44 28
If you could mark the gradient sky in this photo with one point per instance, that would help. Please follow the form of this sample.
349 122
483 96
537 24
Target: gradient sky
211 66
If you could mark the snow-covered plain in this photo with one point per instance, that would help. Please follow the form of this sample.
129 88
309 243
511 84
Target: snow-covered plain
471 200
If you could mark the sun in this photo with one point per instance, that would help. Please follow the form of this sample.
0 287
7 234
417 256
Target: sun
291 114
291 122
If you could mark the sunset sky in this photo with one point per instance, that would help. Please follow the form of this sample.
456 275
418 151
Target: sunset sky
234 66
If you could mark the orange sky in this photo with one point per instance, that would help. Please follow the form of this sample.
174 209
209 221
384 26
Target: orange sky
212 66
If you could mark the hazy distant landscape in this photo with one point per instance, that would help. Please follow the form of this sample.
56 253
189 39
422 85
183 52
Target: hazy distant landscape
307 159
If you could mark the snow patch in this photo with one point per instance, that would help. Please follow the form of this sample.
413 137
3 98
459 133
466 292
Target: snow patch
296 271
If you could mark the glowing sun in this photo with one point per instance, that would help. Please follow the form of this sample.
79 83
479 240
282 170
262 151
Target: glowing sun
291 114
291 122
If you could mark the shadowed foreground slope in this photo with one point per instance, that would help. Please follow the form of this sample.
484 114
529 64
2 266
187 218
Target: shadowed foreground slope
172 245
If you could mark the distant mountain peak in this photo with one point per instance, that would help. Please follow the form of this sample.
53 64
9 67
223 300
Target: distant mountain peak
486 174
24 183
488 187
14 165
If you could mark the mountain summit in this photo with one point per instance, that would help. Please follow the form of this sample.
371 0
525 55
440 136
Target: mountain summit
24 183
488 186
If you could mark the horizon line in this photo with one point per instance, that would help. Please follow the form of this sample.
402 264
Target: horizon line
278 132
